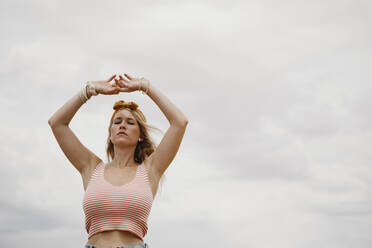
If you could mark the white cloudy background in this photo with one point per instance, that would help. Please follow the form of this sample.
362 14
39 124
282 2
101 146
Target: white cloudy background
277 152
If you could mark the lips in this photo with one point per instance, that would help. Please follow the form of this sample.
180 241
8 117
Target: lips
122 133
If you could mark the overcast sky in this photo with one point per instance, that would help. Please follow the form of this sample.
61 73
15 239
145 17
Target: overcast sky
277 152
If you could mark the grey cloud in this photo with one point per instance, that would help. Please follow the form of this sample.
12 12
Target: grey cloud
276 94
28 217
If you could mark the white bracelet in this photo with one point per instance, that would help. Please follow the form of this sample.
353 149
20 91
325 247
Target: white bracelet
83 93
91 89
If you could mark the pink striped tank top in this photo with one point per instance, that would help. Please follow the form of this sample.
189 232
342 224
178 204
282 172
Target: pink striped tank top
126 207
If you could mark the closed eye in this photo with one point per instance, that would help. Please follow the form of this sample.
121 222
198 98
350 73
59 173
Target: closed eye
131 123
128 119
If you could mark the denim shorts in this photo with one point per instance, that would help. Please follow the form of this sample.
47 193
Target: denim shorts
144 245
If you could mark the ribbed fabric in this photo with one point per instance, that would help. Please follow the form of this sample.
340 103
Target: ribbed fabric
109 207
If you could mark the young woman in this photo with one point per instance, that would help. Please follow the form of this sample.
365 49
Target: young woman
119 194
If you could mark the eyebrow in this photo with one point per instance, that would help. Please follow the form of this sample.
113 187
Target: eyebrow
129 118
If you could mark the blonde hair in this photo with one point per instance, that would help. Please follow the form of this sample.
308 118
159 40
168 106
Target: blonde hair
144 148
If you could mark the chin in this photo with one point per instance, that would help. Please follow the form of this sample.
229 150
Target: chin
124 143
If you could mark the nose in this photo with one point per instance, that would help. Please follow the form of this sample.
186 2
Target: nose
122 126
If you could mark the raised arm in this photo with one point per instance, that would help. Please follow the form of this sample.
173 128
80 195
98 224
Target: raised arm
80 157
164 154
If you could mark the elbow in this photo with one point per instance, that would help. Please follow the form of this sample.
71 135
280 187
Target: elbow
180 123
179 120
186 122
183 122
50 122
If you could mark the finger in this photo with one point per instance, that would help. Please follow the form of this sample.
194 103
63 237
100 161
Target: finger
124 82
112 77
130 78
115 86
119 83
121 78
115 89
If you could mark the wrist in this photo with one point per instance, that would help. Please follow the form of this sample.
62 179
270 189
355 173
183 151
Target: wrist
90 89
140 86
87 91
145 87
83 93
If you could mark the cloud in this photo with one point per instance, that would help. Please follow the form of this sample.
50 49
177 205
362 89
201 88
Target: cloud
277 97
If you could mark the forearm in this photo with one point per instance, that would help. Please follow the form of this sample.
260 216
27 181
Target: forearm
65 113
171 111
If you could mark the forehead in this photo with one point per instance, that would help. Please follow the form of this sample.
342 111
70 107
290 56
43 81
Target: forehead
123 113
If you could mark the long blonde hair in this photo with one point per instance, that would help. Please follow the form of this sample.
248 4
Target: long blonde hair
143 148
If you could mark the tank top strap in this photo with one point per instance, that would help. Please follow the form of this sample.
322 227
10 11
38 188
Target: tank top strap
98 171
143 172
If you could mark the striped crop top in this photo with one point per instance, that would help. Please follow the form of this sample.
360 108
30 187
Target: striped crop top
126 207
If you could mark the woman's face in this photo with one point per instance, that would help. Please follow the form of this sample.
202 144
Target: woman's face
124 129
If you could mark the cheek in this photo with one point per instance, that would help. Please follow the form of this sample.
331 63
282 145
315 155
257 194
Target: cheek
134 130
112 130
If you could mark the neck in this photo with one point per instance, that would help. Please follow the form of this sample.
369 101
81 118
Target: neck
123 157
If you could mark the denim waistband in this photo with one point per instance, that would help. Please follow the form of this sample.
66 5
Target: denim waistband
144 245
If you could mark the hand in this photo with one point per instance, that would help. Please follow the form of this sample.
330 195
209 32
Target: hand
104 87
132 85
